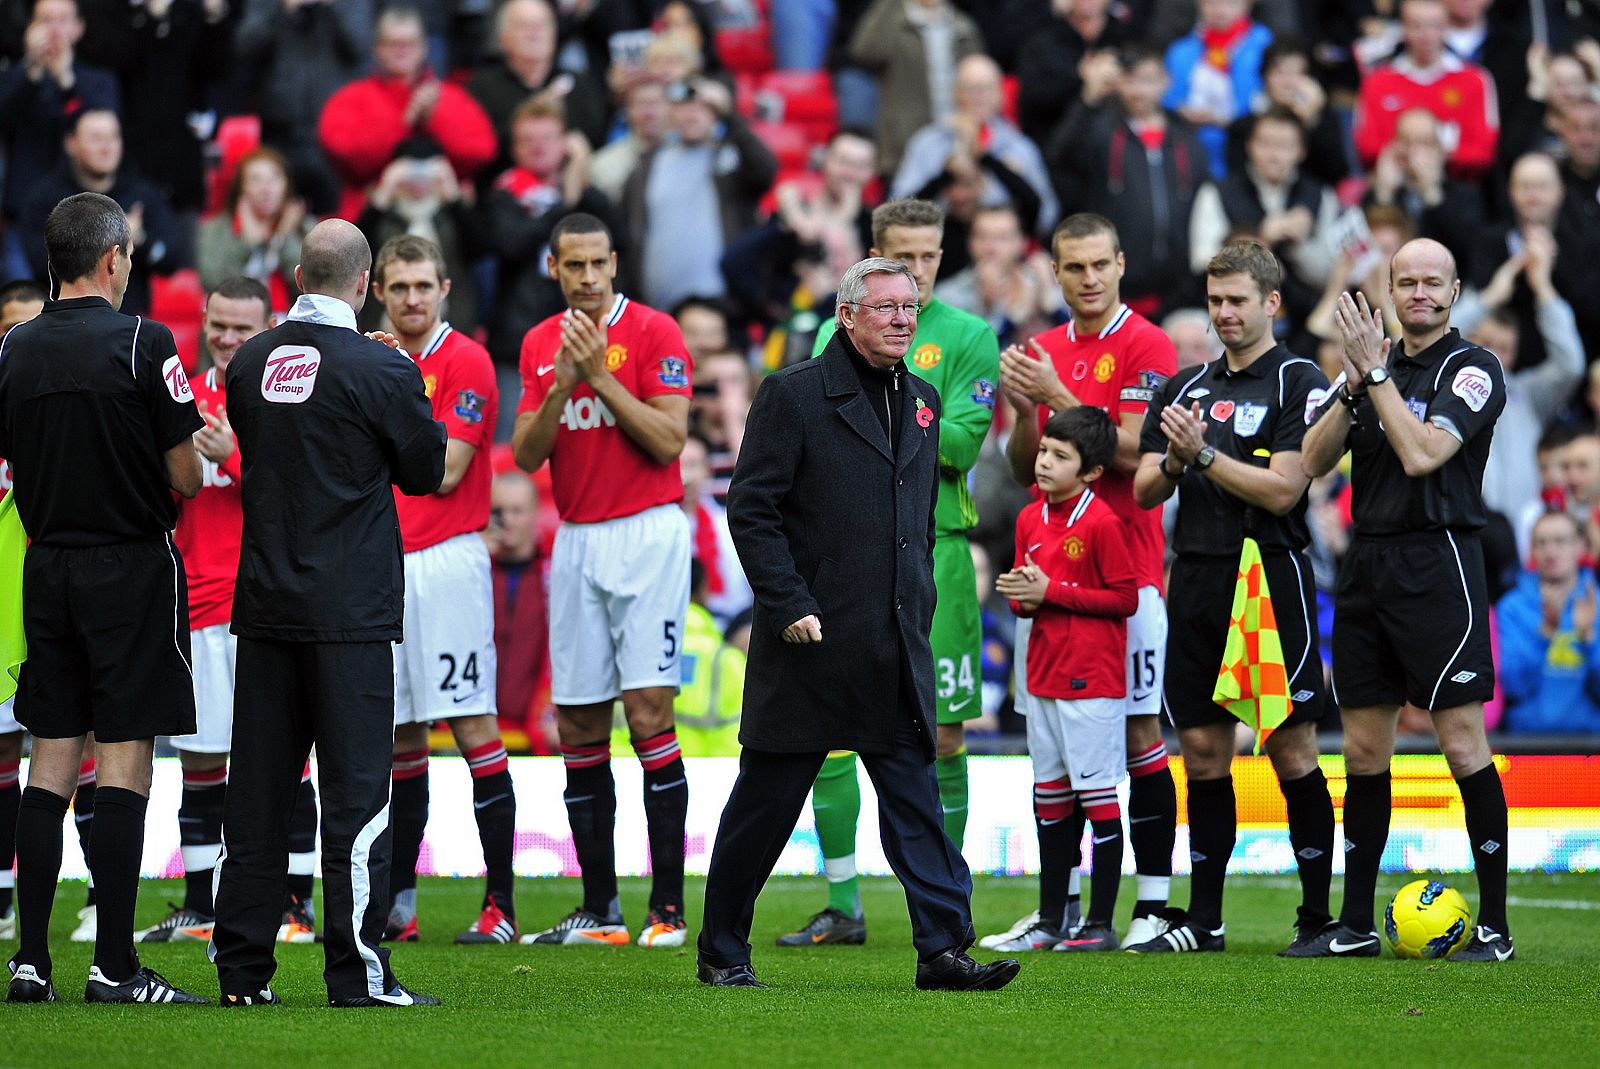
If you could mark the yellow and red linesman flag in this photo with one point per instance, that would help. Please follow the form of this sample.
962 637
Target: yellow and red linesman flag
1253 683
13 647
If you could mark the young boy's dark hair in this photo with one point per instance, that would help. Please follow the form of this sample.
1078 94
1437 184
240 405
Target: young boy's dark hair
1091 433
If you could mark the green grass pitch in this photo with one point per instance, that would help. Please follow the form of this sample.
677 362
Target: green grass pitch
855 1006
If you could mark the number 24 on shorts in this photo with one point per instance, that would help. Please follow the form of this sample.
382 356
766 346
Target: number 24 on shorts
469 672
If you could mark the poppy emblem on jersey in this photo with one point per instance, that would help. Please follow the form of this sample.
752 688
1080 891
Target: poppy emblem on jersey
290 374
1221 410
616 356
983 393
1080 369
1473 385
1073 547
470 406
927 356
177 382
674 372
430 383
1104 366
924 414
1247 419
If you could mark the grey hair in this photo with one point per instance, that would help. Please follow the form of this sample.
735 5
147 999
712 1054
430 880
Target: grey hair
853 286
1183 316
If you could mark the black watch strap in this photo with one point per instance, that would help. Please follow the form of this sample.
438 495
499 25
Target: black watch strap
1167 473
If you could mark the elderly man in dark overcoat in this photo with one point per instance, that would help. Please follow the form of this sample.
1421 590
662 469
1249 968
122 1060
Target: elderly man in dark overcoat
831 509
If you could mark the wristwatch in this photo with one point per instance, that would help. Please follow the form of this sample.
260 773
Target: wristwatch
1169 474
1376 377
1203 459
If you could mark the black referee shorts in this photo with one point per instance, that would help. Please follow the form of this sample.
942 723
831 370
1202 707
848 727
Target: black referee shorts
108 643
1199 605
1411 622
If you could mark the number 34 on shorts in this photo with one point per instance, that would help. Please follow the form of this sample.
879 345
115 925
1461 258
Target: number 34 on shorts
956 687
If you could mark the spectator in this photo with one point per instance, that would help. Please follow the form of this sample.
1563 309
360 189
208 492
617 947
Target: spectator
707 708
911 47
1048 79
1013 290
974 138
1534 395
1500 49
1538 216
1410 173
1580 478
721 399
1120 154
1460 94
644 107
530 65
418 193
696 193
1215 73
259 232
521 618
1549 663
1190 331
727 591
1271 200
1287 83
548 181
363 124
169 56
704 322
1557 84
20 300
1368 274
1550 456
38 98
302 53
1580 162
94 165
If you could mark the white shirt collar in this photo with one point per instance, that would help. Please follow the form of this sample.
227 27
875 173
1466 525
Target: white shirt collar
320 308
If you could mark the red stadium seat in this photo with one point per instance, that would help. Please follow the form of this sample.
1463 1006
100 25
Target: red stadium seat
746 50
807 96
237 137
177 300
790 142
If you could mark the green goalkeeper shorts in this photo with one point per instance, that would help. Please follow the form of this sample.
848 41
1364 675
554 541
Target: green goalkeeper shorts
957 636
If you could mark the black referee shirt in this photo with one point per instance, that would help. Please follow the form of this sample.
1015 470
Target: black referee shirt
1460 388
90 401
1250 415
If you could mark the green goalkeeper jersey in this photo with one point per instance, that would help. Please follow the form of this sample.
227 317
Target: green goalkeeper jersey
959 354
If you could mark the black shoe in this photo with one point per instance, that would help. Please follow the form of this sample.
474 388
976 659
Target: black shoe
27 985
1183 937
954 971
1333 940
732 976
147 986
828 928
1089 939
1486 944
180 926
397 995
265 997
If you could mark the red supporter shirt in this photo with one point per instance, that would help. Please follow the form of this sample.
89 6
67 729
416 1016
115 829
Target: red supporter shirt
1078 646
597 471
1118 370
1459 94
459 379
210 525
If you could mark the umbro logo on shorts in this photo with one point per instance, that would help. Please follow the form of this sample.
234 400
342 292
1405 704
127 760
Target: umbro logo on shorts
1301 696
1463 677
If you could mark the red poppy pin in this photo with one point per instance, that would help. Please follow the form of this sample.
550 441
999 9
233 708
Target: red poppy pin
924 414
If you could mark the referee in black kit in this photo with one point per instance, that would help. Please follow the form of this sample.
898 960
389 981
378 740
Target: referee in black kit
97 419
1227 437
1411 609
326 421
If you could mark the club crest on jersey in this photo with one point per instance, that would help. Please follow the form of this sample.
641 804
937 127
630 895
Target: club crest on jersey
430 383
1073 547
674 372
290 374
177 382
983 393
927 356
1247 418
616 356
1104 366
1221 410
1473 385
470 405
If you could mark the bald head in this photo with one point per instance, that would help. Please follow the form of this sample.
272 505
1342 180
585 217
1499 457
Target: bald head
334 261
977 89
1423 286
1424 255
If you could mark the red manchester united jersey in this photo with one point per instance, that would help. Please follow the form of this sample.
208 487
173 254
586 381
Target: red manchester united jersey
459 379
1079 639
1118 370
597 471
209 525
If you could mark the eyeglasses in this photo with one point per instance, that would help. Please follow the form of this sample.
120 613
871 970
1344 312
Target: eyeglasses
887 310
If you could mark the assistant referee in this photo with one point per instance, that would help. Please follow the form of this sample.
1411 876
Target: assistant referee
97 420
326 421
